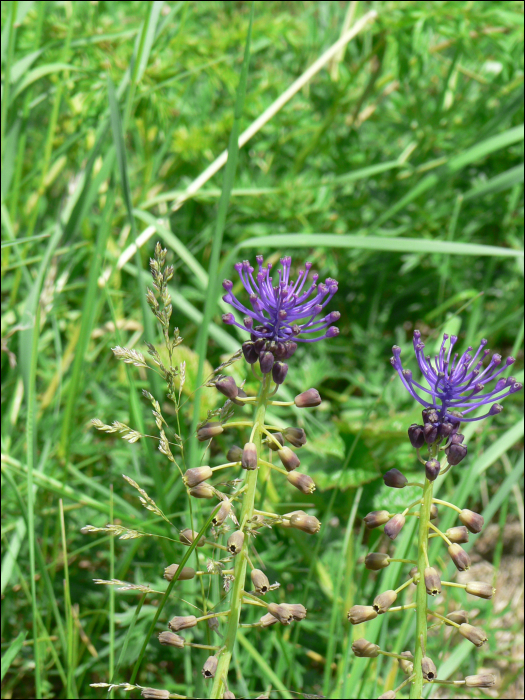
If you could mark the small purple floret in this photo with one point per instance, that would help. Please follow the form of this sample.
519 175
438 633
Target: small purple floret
458 385
281 309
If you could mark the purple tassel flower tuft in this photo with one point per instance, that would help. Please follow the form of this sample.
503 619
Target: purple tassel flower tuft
457 385
282 310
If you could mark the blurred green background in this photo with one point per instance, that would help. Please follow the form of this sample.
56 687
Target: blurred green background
405 149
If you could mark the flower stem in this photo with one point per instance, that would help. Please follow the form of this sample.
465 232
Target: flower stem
416 688
219 685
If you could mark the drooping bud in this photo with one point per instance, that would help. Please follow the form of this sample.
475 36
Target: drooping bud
430 433
361 613
249 456
472 521
222 513
187 536
202 491
394 526
458 534
195 476
289 459
250 354
460 558
279 372
407 663
384 601
446 429
155 693
234 454
432 581
306 523
182 623
429 669
168 639
376 518
235 542
260 345
298 611
303 482
362 648
374 561
186 574
416 435
267 620
458 616
287 516
281 613
456 452
266 360
433 511
227 386
414 575
482 680
430 415
474 634
432 468
395 479
271 443
295 436
289 349
480 589
260 581
209 430
210 667
308 399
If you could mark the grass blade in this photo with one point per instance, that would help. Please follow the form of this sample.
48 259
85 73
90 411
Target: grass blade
11 653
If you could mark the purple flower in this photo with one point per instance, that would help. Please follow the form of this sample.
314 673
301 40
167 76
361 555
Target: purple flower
282 310
457 384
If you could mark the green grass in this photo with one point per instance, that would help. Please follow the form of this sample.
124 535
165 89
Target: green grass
396 169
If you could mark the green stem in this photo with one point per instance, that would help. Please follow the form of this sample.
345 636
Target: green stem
219 685
416 688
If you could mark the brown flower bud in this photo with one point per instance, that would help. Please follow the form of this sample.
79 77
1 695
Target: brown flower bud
306 523
209 430
271 443
429 669
260 581
209 668
394 525
287 516
480 589
430 433
186 574
416 435
168 639
460 558
267 620
279 372
384 601
308 399
182 623
414 573
249 456
473 521
374 561
155 694
376 518
235 542
289 459
407 663
234 454
482 680
361 613
228 694
303 482
223 513
187 536
195 476
458 616
433 511
362 648
227 386
295 436
202 491
456 453
432 468
389 695
298 611
281 613
395 479
474 634
432 581
459 534
266 360
250 354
